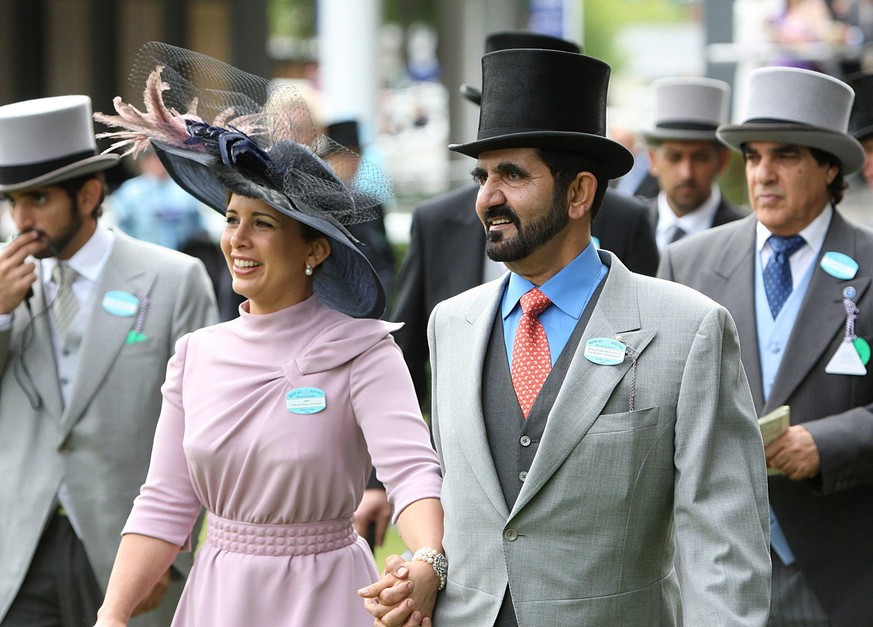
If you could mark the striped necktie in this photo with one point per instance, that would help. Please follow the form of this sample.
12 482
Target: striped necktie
65 306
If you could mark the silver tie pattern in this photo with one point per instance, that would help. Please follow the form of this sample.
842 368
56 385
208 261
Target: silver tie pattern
65 306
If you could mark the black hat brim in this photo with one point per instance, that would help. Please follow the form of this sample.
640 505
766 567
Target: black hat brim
345 281
615 158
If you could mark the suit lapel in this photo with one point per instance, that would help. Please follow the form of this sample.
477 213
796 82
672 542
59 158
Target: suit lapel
822 317
474 331
731 282
588 386
106 333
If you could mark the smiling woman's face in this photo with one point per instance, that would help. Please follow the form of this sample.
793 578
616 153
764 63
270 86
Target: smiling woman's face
267 254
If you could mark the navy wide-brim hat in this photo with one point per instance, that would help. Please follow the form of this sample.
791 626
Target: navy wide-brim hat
345 281
534 98
219 130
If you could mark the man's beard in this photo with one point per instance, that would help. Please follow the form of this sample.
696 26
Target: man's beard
528 238
54 246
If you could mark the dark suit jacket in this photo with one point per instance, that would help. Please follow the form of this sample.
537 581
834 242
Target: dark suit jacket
827 520
725 213
447 250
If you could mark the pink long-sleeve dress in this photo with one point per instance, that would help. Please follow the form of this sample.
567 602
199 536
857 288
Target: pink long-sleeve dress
270 422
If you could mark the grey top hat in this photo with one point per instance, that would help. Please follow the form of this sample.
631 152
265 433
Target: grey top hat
688 109
801 107
48 141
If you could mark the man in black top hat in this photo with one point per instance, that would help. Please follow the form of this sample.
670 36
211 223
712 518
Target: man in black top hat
593 424
448 223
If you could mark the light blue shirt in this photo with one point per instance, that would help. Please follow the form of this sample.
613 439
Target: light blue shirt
569 290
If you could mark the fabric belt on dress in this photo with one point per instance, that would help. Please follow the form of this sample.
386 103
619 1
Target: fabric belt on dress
280 540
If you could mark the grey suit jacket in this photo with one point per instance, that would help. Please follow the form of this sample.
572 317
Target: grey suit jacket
826 520
100 443
657 455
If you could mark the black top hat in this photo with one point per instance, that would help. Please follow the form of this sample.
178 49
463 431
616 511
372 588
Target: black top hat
345 133
508 40
862 111
546 99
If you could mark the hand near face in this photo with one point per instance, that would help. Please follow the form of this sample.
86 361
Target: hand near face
17 275
794 454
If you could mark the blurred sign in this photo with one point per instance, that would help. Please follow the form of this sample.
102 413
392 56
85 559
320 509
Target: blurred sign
546 17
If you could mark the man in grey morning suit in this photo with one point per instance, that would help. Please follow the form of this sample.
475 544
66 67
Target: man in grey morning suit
567 506
810 350
88 319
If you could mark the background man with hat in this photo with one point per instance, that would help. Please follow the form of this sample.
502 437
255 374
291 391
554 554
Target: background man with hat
592 423
88 320
796 277
686 157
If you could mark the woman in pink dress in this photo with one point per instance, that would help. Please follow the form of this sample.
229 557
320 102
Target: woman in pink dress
271 421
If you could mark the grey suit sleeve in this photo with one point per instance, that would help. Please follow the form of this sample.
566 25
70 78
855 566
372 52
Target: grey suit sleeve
845 445
721 505
5 337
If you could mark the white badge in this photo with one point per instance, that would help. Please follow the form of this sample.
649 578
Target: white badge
305 401
121 304
839 266
605 351
846 361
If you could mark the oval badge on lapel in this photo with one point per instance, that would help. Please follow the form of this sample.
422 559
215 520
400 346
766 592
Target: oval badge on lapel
605 351
839 266
121 304
305 401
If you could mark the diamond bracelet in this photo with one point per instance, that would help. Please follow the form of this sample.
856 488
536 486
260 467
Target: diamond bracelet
436 559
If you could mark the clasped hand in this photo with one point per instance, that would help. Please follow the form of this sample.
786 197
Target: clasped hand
404 596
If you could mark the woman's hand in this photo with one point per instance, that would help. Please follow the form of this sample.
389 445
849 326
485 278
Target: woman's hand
404 596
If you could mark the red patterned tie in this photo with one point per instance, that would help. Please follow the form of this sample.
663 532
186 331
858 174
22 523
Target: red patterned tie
531 360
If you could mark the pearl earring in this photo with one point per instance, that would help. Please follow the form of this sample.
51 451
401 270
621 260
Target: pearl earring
308 270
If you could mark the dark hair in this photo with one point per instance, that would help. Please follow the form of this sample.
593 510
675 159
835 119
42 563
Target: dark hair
310 234
72 187
565 165
838 186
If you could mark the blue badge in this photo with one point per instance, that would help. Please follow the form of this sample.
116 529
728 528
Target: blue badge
121 304
839 266
605 351
305 401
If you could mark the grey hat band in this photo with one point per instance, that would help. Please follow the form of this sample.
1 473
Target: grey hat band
10 175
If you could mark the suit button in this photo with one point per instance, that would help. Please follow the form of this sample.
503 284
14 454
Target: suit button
511 535
522 475
524 441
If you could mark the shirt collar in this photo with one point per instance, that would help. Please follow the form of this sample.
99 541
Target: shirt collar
563 288
814 234
89 260
694 222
